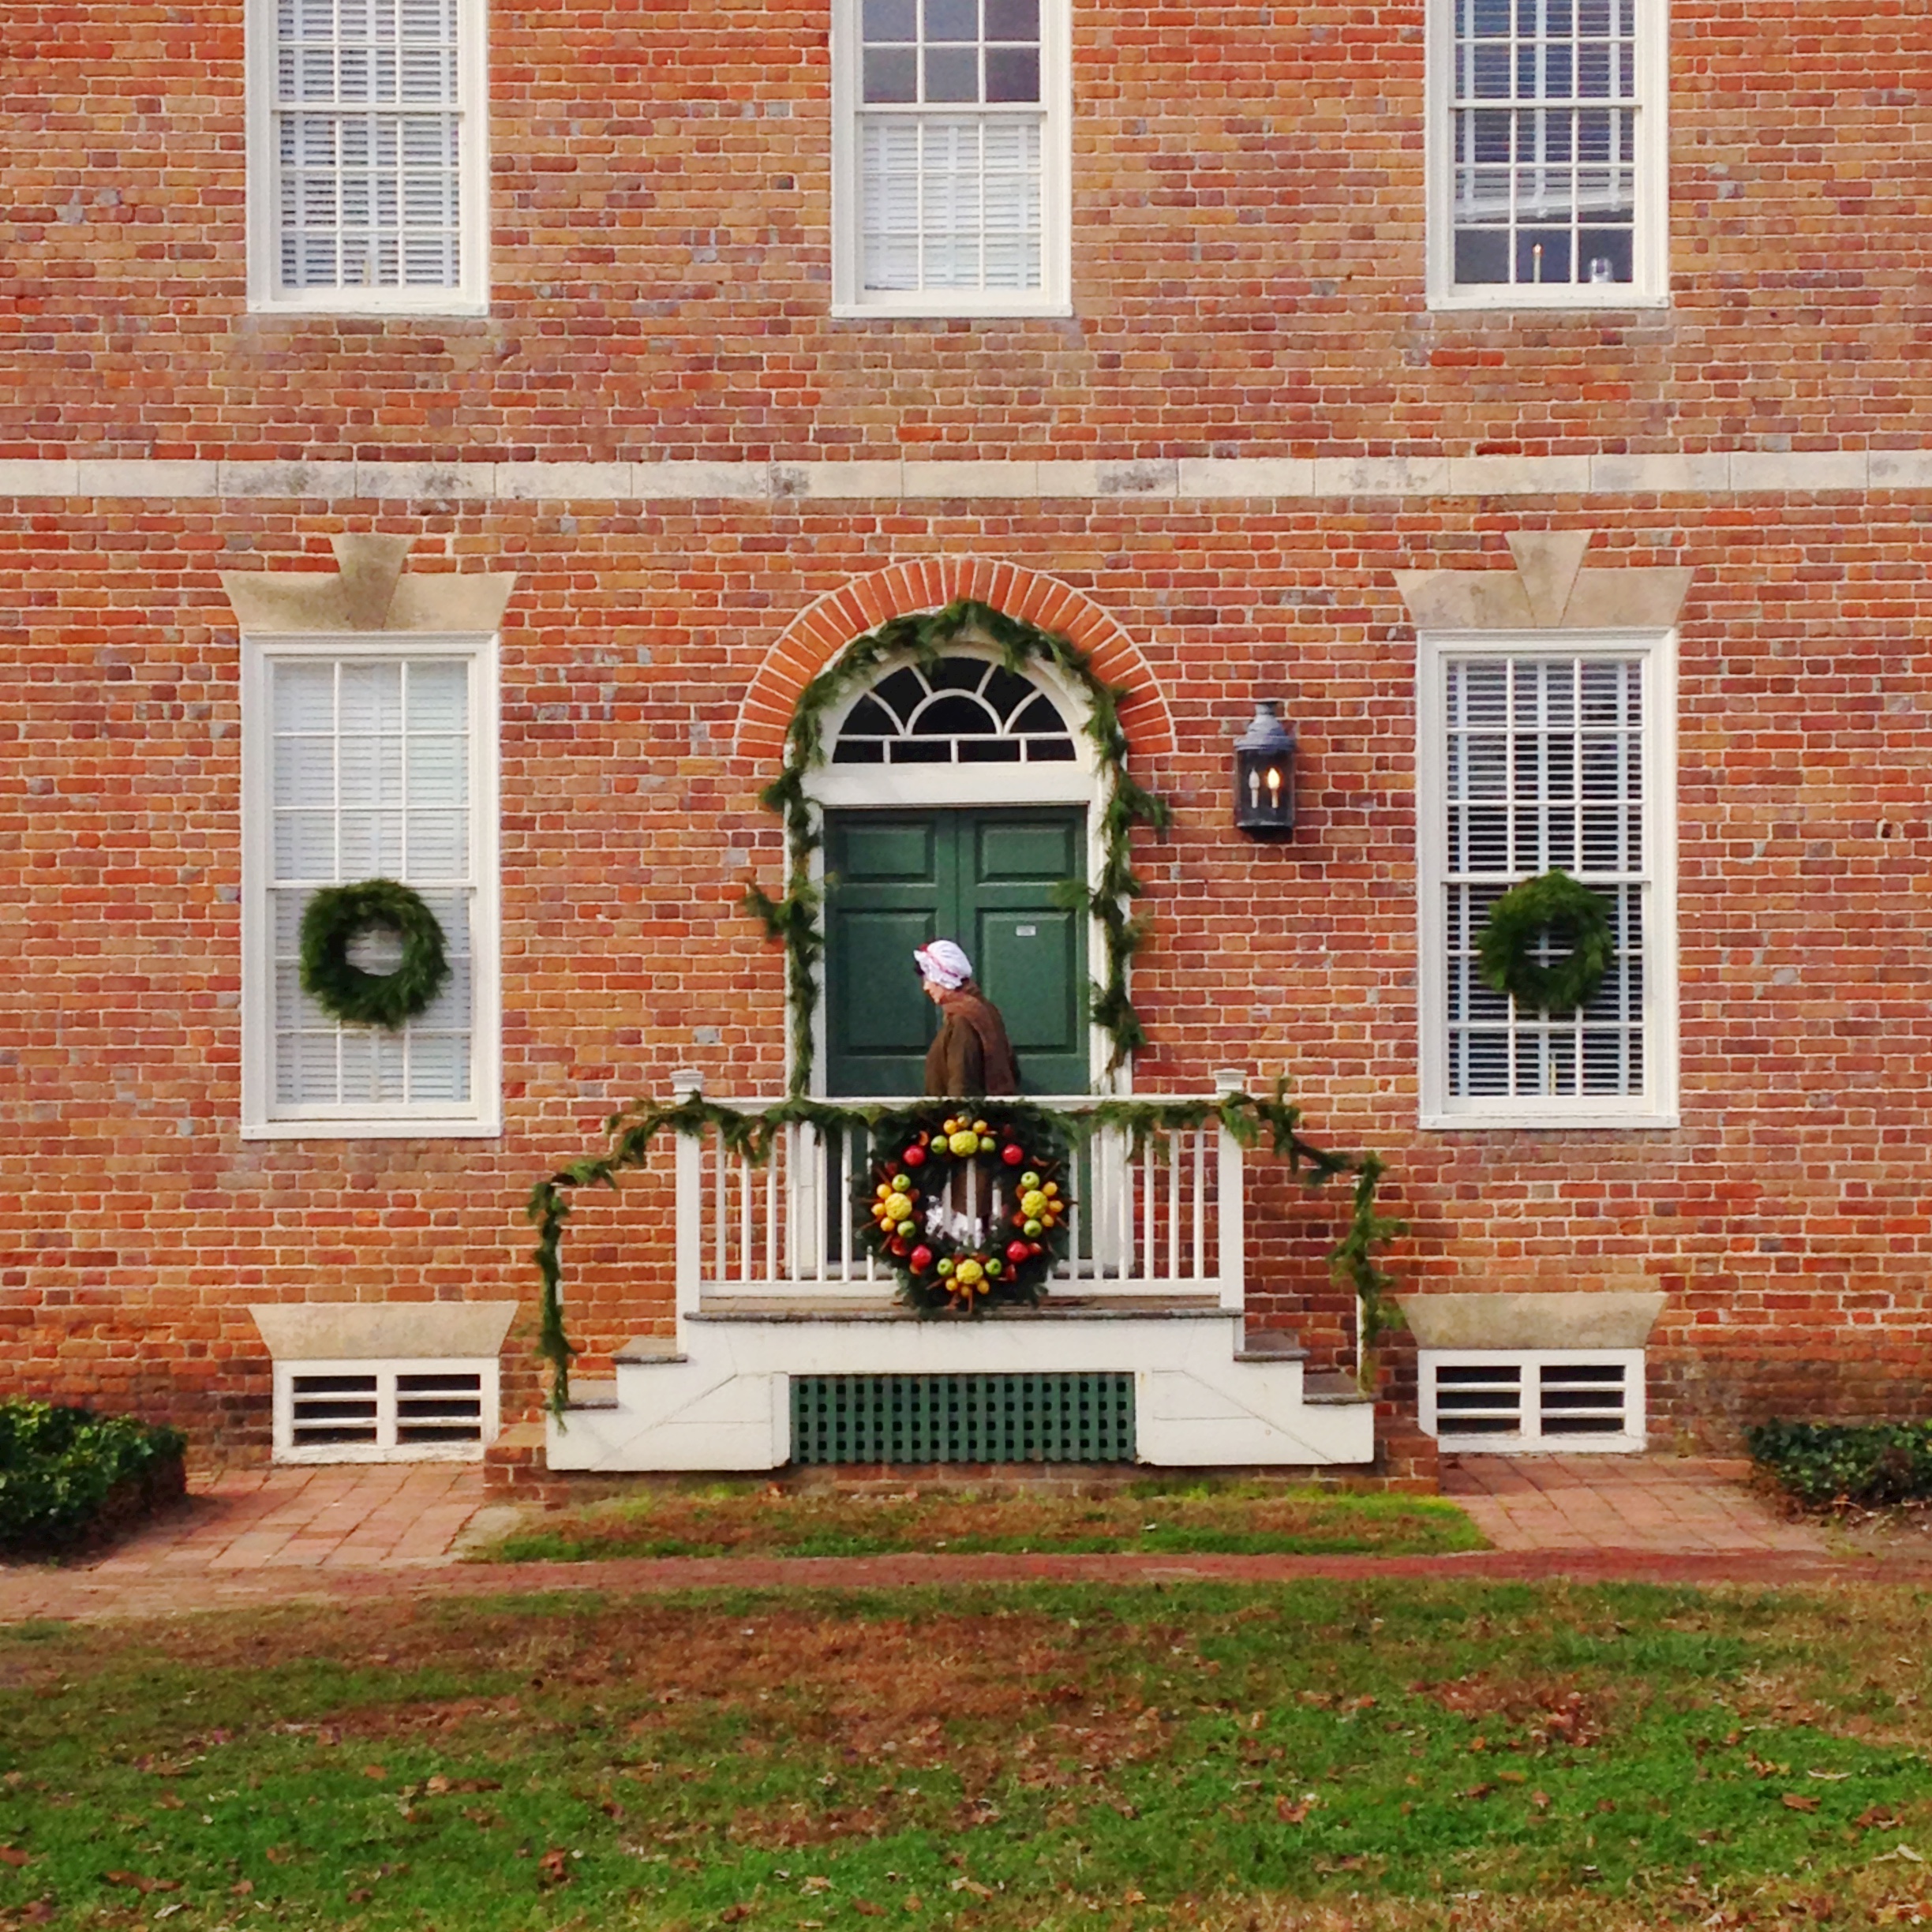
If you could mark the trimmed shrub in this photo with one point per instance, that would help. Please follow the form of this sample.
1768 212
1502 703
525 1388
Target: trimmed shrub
1828 1465
67 1474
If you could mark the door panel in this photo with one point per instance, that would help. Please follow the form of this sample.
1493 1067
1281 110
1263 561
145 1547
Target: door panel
881 1010
897 879
1030 958
894 851
1008 852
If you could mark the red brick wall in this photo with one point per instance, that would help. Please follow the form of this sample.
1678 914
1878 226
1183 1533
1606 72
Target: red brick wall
1784 1218
1247 254
1247 280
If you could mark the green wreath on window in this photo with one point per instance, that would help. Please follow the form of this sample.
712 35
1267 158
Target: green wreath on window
1552 905
336 915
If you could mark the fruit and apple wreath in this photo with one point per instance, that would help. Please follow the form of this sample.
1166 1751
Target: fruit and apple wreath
956 1242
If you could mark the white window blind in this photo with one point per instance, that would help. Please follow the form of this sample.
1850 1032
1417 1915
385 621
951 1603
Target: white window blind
374 160
1535 758
1545 769
952 137
369 764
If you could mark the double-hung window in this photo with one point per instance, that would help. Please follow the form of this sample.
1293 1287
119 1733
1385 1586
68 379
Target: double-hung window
950 161
1539 752
1547 153
367 156
363 760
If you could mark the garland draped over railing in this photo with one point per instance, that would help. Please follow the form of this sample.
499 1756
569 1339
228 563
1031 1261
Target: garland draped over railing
795 919
751 1135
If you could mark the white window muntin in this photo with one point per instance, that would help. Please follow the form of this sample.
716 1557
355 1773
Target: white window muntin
440 1076
955 201
368 156
1633 1023
1548 154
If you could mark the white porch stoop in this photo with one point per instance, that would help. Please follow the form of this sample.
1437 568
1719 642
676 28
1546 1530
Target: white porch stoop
768 1290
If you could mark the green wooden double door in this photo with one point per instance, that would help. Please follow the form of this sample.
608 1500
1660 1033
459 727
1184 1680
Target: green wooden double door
984 878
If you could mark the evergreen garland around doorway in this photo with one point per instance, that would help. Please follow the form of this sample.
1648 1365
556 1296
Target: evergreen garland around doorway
797 919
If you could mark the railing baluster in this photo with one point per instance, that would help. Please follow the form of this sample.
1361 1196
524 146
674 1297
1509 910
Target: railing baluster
772 1271
861 1155
1200 1190
744 1219
1147 1209
792 1267
720 1201
1173 1207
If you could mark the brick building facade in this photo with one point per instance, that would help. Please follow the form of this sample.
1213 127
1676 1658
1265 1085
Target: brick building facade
670 421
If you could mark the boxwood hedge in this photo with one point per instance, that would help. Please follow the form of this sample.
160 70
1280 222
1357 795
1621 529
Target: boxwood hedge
1828 1464
66 1474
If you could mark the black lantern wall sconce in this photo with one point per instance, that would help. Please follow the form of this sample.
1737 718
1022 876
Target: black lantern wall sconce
1264 755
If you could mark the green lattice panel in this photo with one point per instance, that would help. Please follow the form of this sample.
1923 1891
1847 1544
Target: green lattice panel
963 1418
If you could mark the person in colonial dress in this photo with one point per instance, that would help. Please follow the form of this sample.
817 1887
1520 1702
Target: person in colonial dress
971 1055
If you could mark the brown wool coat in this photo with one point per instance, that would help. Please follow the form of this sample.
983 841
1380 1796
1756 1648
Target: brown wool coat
971 1053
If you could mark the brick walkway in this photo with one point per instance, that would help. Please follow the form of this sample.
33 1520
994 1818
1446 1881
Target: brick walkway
1680 1505
352 1534
249 1535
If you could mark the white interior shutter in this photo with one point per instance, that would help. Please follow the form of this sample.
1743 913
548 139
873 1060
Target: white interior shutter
368 142
1543 764
370 778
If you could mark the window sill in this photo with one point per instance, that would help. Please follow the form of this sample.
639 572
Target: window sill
1526 1120
389 1127
445 305
923 309
1583 300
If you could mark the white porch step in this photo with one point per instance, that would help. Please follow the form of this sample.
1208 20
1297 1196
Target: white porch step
720 1397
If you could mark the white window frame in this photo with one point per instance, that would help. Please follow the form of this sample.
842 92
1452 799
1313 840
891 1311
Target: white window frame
1053 296
1656 1105
260 1119
469 296
931 788
1649 286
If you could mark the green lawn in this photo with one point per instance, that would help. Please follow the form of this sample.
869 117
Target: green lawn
1390 1754
758 1517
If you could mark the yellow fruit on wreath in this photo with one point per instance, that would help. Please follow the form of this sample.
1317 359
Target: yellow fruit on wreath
969 1272
1032 1203
963 1143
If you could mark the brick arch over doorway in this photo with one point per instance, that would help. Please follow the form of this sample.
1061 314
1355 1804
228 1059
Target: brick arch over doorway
817 636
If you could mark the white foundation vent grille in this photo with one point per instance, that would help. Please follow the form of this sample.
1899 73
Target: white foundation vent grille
1569 1401
384 1411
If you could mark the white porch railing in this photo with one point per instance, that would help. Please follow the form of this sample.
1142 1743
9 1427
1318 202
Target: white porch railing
1164 1222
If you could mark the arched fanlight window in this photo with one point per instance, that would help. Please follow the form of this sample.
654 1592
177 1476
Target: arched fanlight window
962 711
